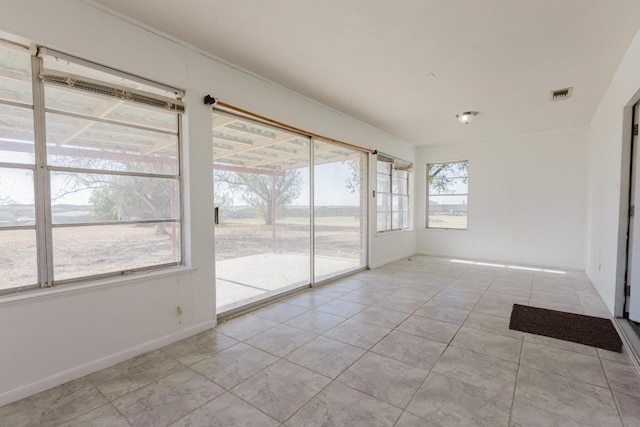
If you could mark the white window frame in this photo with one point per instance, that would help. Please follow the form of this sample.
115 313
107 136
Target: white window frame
428 194
395 164
44 225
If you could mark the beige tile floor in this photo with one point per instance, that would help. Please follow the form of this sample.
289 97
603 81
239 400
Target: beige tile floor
423 342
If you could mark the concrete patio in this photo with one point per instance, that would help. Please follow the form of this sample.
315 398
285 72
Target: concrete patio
247 279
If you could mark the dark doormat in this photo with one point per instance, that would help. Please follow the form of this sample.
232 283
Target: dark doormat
588 330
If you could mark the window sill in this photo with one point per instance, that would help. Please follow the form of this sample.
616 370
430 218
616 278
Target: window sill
388 233
445 229
71 289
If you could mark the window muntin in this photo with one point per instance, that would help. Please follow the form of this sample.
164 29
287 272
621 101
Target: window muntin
392 195
447 197
105 198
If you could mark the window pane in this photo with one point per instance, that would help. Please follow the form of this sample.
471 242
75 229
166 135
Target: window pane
449 186
137 114
384 167
402 174
15 84
448 170
18 258
448 211
384 183
400 220
400 203
400 185
79 143
16 134
74 101
232 130
94 250
383 202
384 221
340 213
447 197
80 198
16 197
105 107
262 239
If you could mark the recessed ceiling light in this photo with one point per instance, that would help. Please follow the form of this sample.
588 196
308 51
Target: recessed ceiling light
466 116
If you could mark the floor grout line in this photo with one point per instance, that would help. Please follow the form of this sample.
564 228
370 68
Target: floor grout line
515 385
611 391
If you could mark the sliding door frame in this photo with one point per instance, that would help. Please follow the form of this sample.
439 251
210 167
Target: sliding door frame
364 207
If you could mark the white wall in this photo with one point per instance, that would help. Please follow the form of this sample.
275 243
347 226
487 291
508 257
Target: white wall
57 336
608 181
527 200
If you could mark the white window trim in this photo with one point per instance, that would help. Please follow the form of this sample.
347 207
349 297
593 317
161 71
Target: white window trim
36 294
426 219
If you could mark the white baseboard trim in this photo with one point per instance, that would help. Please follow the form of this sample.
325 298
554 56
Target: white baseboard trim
105 362
394 259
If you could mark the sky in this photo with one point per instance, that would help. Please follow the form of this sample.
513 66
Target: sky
330 188
330 185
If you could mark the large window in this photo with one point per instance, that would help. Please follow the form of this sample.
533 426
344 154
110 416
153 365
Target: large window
448 188
90 177
392 193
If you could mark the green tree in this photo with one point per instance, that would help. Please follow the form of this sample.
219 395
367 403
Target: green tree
105 207
127 198
443 175
264 193
122 197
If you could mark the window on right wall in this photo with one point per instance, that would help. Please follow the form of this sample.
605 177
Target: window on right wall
447 195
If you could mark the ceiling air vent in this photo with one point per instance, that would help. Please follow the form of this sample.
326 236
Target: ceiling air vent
561 94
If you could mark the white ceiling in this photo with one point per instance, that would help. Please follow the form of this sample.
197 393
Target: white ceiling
373 60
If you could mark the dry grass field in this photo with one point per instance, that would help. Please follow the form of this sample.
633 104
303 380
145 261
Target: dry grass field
17 258
87 251
448 221
335 236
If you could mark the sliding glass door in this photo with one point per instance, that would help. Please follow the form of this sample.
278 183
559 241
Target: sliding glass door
339 209
261 198
264 240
